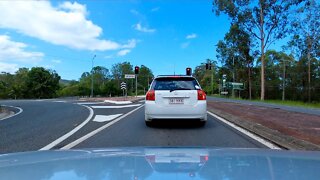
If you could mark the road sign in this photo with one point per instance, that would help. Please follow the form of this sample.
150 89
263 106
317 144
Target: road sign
123 85
235 85
224 92
129 76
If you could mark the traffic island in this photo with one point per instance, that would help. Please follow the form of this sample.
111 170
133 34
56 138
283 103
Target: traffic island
132 99
5 112
289 130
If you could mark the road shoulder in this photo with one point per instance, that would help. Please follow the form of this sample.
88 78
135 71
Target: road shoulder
269 129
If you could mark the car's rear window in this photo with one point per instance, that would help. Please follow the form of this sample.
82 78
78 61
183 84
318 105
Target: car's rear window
175 83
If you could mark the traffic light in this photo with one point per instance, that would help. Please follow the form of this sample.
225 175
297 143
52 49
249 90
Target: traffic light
188 71
136 70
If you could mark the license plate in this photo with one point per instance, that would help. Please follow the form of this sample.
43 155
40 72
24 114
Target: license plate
176 101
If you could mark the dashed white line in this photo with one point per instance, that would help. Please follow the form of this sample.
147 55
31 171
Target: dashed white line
251 135
62 138
92 133
104 118
20 111
114 107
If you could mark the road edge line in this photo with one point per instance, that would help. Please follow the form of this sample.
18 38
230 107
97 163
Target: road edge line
94 132
246 132
70 133
20 111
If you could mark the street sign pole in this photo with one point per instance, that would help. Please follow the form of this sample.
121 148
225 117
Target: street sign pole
124 89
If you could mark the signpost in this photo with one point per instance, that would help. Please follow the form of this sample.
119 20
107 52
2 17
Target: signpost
129 76
226 86
123 87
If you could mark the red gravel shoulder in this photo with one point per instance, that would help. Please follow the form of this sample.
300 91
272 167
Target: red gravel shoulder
298 125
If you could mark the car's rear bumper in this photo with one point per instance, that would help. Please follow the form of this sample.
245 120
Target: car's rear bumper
155 111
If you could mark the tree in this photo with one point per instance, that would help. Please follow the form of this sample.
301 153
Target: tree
119 70
278 73
265 21
42 83
306 34
145 76
207 78
234 54
19 87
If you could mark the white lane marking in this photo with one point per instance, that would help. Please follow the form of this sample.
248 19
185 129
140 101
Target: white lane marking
142 101
62 138
251 135
92 133
118 102
114 107
20 111
83 103
104 118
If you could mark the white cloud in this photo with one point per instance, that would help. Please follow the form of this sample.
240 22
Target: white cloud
139 27
57 61
123 52
131 44
16 51
191 36
185 45
65 25
9 68
155 9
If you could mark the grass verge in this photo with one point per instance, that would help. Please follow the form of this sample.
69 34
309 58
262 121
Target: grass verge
279 102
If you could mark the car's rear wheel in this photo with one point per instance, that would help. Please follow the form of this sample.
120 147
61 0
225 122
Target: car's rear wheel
148 123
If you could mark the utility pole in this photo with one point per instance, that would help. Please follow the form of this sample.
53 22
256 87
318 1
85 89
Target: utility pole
233 78
211 79
283 80
309 69
92 77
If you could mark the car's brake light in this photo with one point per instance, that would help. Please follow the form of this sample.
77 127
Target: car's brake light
151 96
202 95
204 159
151 158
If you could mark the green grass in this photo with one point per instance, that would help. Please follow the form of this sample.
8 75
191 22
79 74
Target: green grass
280 102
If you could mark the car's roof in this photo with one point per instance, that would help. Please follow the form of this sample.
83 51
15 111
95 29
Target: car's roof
173 76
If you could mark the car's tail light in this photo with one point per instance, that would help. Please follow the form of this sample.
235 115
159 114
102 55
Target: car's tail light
151 158
151 95
202 95
204 159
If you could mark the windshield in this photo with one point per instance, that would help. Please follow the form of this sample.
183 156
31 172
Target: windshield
202 74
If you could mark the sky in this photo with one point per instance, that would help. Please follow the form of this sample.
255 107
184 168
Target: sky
166 36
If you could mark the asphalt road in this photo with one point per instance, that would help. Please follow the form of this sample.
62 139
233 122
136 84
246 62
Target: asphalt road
55 124
313 111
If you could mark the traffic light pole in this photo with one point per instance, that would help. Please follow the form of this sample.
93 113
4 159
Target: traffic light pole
136 85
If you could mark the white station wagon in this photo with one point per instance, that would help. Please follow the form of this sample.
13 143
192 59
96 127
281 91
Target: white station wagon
175 97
